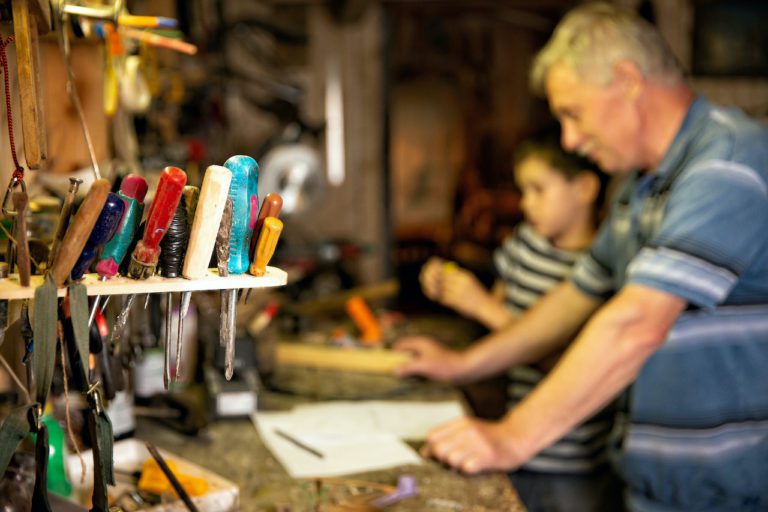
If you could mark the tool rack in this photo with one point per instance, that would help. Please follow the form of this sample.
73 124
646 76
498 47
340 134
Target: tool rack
10 289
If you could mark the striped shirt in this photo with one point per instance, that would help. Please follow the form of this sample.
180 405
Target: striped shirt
697 433
529 266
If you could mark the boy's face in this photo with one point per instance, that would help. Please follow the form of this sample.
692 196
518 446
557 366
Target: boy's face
599 122
552 204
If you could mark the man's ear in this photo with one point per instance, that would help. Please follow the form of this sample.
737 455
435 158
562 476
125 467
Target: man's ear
628 77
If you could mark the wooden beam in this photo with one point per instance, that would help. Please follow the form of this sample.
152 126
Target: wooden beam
30 19
363 360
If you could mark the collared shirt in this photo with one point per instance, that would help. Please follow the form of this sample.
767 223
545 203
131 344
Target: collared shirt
697 228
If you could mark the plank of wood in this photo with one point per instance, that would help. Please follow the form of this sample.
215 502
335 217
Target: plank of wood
29 20
364 360
10 288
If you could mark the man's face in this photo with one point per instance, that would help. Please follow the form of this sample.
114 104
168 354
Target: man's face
599 122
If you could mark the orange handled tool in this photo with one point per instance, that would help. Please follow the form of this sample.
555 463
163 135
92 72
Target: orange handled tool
265 247
364 319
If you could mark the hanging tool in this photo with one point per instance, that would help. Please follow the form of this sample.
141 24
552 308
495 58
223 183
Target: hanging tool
66 213
270 207
227 321
169 190
77 234
133 188
191 196
265 247
243 191
103 231
20 202
173 248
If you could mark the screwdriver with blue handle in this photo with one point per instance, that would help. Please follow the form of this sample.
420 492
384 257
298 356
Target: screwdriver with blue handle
243 191
103 230
133 189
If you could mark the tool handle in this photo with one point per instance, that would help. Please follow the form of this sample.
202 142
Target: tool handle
207 218
20 203
222 239
66 213
102 232
270 207
191 195
245 203
361 314
161 212
265 247
174 244
116 249
79 230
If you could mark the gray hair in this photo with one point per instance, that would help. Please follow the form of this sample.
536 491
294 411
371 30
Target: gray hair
592 37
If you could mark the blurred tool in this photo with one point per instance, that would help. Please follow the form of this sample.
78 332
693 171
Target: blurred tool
243 191
406 488
264 318
265 247
295 172
103 230
79 230
174 246
171 477
160 41
132 191
169 190
66 213
365 320
191 197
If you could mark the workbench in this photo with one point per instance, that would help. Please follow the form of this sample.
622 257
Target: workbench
234 450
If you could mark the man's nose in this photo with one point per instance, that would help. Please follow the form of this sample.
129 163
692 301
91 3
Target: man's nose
570 137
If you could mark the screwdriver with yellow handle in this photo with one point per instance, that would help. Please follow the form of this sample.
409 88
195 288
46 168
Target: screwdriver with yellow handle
265 247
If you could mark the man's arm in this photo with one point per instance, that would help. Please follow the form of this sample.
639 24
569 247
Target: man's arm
603 360
546 327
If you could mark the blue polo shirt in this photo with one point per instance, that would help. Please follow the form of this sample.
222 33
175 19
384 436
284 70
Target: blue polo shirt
697 227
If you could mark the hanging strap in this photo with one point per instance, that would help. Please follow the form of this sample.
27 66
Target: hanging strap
40 496
44 328
17 425
99 426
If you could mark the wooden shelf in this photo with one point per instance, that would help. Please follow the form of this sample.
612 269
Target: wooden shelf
10 288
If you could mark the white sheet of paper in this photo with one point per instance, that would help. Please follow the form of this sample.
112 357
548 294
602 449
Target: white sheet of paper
352 436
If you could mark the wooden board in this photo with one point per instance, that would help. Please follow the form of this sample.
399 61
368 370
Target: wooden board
374 360
11 289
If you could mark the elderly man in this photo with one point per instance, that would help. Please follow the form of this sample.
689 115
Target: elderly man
672 298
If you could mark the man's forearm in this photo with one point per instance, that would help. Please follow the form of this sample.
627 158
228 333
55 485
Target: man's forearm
603 360
546 327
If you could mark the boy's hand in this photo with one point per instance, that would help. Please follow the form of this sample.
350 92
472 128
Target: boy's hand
431 359
472 446
462 292
431 278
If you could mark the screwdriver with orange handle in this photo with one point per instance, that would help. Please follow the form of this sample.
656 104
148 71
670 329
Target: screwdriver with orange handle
265 247
270 207
361 314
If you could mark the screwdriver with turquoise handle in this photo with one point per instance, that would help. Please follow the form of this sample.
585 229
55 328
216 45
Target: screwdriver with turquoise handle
133 189
243 191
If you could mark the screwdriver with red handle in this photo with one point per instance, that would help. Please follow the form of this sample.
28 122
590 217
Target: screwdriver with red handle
169 190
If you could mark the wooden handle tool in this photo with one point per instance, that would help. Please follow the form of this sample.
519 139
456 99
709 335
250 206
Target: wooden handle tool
20 203
79 231
265 247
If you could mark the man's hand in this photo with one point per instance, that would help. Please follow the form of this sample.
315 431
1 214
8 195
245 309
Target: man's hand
472 446
431 359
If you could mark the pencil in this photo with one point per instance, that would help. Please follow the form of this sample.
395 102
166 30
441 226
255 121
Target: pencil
298 443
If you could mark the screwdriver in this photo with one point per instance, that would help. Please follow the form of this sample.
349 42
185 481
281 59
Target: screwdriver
191 195
243 191
265 247
169 189
133 189
103 230
226 324
270 207
79 229
173 247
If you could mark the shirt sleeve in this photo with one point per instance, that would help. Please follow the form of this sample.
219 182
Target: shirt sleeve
713 229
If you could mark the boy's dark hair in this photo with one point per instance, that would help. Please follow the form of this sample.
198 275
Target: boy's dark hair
546 145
